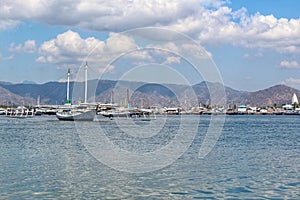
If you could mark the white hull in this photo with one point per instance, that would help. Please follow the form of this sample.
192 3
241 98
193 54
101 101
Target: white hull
115 114
76 115
20 113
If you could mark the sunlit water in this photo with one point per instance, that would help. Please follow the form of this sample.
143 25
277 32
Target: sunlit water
256 157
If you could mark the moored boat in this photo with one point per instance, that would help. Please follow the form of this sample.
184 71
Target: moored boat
82 112
19 112
76 114
291 113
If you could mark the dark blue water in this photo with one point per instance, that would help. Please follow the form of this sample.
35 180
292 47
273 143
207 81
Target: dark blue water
256 157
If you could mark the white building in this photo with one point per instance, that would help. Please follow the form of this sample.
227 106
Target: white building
295 99
288 107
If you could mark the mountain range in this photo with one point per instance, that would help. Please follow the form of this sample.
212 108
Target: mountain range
142 94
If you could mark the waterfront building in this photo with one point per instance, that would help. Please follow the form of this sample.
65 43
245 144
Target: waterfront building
295 99
288 107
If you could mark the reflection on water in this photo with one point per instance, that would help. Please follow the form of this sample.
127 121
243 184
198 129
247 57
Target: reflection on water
255 157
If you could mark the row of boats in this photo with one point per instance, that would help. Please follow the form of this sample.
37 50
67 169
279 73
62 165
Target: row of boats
19 112
82 112
87 112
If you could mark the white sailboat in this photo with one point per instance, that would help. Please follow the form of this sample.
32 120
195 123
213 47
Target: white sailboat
82 112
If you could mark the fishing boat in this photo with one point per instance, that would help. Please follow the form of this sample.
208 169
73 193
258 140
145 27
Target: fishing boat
82 112
19 112
293 112
3 111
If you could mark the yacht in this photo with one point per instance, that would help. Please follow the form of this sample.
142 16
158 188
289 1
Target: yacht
78 113
82 112
3 111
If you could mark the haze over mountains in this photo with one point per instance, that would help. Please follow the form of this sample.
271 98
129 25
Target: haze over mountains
144 95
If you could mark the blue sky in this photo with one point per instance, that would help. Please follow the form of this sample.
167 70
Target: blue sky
254 44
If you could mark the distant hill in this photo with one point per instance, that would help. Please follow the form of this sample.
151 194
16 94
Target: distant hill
9 98
144 94
233 96
278 94
28 82
5 83
49 93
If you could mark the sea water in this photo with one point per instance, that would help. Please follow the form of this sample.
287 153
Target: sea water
255 157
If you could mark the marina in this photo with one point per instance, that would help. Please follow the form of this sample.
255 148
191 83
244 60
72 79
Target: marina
111 111
68 111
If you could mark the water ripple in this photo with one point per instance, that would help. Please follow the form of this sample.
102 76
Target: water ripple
256 157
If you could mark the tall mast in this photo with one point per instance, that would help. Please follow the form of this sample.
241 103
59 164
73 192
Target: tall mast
128 98
85 88
112 101
38 101
68 87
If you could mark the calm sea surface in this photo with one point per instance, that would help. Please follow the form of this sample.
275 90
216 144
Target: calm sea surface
256 157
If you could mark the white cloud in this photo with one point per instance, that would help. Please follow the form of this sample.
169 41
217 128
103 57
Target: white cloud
140 55
171 60
213 3
181 49
209 22
2 58
28 47
109 68
223 26
246 55
269 32
169 46
7 24
69 47
293 82
259 54
256 55
289 64
117 43
98 14
195 50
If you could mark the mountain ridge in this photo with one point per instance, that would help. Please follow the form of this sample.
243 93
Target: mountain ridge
146 93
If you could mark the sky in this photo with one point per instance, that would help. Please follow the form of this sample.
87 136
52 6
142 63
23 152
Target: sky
252 44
